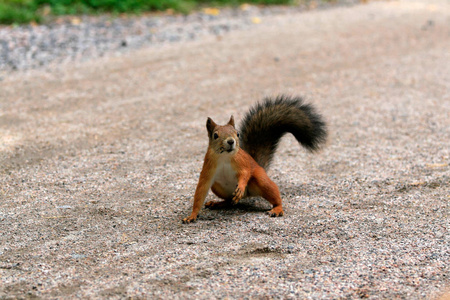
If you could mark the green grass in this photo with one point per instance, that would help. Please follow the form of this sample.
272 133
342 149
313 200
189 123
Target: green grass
25 11
18 12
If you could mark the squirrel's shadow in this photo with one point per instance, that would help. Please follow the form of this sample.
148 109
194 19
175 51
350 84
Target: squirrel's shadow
261 205
248 205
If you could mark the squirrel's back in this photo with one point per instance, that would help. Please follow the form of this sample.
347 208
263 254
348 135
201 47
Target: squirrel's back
266 122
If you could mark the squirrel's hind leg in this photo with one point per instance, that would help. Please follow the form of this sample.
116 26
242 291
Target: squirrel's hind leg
221 193
218 204
262 185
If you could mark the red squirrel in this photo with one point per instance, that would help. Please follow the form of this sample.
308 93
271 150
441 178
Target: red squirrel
235 163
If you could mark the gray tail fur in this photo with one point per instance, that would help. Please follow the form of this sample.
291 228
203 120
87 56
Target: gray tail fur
266 122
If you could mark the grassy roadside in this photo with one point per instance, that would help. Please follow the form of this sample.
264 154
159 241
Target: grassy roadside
25 11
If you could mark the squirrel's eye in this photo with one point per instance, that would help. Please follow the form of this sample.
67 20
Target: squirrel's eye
216 136
238 134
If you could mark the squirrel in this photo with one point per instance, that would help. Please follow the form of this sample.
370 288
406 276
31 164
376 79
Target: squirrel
235 163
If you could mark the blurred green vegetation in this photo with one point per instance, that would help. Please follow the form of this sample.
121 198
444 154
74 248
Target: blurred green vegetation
25 11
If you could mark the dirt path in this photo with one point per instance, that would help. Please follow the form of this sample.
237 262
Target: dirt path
99 163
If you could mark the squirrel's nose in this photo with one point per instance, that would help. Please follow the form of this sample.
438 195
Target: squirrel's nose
230 142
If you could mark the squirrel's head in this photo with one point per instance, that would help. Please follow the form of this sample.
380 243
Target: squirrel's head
223 139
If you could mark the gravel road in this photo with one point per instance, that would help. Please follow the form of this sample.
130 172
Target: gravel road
84 38
99 161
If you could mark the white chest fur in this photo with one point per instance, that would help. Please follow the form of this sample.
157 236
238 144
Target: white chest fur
226 176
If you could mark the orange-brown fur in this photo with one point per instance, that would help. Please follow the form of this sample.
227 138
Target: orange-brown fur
251 179
235 163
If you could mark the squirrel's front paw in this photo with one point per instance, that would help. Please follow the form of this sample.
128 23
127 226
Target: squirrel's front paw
189 219
237 195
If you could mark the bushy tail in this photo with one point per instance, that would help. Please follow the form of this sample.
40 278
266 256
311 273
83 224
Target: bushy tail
266 122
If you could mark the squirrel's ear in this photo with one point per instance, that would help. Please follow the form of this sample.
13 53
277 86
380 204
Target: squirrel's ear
231 122
210 125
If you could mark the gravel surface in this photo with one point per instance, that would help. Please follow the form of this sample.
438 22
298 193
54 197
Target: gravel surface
81 38
100 159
